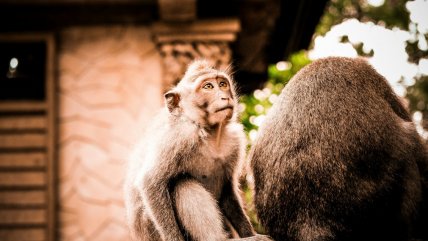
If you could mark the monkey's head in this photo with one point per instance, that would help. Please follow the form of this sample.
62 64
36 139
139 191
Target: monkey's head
204 95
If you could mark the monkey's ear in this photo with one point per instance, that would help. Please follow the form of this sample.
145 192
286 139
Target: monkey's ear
172 99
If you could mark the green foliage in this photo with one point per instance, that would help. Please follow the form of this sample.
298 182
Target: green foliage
251 211
257 104
417 96
390 14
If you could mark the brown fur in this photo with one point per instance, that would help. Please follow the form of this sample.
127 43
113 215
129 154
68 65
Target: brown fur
183 182
337 158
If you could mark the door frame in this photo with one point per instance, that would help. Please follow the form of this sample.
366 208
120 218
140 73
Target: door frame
49 105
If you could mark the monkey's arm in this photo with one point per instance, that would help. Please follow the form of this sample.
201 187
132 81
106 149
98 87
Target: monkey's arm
158 202
232 209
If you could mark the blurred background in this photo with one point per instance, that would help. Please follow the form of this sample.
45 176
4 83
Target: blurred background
80 79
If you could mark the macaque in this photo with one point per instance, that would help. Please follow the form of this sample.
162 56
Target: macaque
183 182
338 158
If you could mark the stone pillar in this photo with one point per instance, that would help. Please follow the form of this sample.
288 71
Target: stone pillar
180 43
109 88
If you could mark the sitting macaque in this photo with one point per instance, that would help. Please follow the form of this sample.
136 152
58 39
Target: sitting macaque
183 183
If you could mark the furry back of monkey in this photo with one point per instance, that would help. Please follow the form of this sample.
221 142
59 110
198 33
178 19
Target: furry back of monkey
338 158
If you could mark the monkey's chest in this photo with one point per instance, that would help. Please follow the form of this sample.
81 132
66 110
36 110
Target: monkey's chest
212 176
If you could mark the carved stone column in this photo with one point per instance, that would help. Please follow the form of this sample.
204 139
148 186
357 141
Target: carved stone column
180 43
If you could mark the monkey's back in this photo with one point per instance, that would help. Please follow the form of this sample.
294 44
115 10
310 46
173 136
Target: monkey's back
336 157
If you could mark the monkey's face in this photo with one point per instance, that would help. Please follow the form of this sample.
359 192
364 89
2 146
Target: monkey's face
215 97
207 101
204 95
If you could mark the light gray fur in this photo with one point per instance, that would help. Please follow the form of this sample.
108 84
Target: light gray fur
180 184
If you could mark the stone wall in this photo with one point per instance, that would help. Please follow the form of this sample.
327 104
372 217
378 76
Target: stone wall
109 85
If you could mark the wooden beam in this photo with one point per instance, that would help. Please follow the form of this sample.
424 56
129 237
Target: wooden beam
177 11
23 122
52 138
23 160
22 198
22 106
22 217
223 30
23 179
23 234
22 141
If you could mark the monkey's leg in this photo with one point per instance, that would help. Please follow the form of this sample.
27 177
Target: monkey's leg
141 227
198 212
200 215
231 207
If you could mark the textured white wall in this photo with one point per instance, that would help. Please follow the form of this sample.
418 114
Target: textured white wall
109 86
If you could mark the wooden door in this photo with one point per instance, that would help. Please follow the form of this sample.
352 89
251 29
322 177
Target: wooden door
27 138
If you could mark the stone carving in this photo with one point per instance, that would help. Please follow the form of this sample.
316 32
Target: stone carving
179 44
177 55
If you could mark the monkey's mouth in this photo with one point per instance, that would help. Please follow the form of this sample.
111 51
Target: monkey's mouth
230 107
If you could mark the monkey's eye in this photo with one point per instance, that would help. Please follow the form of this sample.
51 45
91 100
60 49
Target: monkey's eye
208 86
223 84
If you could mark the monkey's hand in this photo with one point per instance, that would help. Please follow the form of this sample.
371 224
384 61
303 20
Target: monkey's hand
257 237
